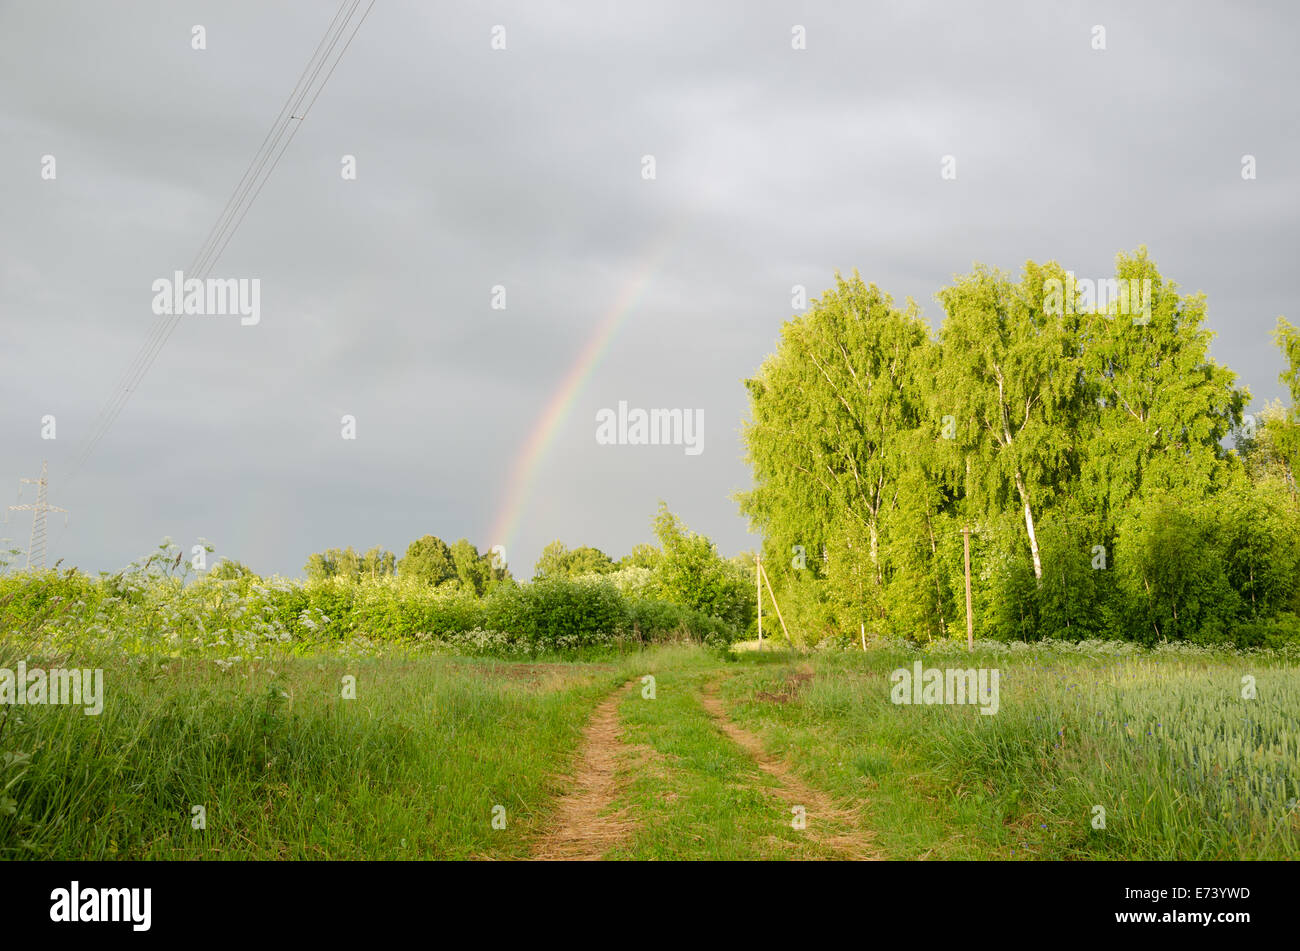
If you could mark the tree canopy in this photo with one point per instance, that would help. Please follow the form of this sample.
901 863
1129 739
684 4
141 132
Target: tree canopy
1066 435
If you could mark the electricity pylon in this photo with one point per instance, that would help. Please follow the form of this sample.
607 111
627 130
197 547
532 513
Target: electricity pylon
36 547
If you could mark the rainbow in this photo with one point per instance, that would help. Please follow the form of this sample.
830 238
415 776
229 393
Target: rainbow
527 461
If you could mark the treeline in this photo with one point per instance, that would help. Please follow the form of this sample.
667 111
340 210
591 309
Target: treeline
428 560
578 597
1082 441
445 596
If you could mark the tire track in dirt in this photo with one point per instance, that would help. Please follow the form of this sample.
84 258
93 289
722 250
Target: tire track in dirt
584 828
820 810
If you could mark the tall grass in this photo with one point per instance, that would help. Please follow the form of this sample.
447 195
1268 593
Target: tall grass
1182 764
284 767
227 695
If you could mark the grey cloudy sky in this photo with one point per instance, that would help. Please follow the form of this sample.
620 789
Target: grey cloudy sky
478 167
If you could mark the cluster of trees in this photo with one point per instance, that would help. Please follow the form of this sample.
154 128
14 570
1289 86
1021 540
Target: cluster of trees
685 570
559 561
429 560
346 563
1083 446
689 571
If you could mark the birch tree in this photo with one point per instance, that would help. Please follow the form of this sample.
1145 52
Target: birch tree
833 412
1012 373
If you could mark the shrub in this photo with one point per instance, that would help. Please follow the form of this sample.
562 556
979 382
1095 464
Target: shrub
655 620
634 582
1275 633
1173 573
555 610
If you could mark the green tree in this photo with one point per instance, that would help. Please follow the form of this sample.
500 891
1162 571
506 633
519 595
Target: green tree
377 563
333 563
473 570
641 556
1173 568
228 569
348 564
1283 425
1258 533
1287 337
428 559
320 566
694 575
559 561
1080 441
1159 407
835 413
1012 371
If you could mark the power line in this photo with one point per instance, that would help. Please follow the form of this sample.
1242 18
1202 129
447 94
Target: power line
236 208
223 228
243 196
279 119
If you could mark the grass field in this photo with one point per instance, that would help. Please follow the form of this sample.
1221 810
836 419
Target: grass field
769 755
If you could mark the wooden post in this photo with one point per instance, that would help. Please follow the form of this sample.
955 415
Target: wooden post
777 604
970 618
758 588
